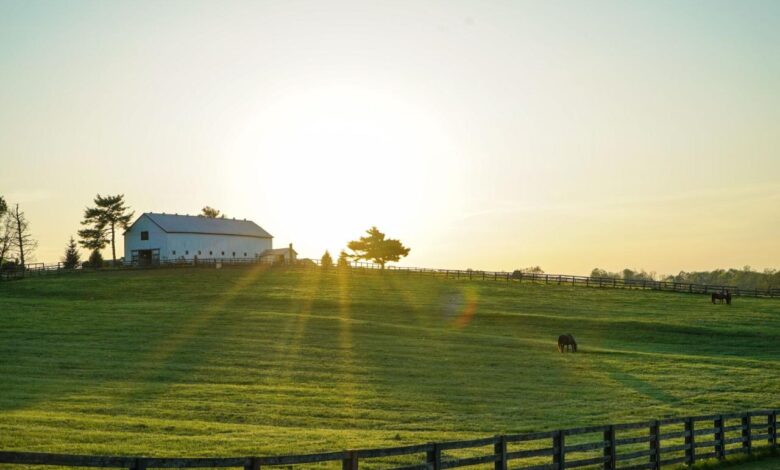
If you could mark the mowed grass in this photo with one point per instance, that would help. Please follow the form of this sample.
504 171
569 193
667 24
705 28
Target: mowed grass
197 362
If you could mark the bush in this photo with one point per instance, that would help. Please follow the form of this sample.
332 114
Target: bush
95 260
327 261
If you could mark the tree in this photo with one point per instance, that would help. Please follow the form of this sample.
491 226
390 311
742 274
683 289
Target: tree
95 259
518 273
211 213
327 261
21 241
6 236
5 231
375 247
72 256
109 213
343 261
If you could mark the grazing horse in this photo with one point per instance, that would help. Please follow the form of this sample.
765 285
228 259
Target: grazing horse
720 297
566 342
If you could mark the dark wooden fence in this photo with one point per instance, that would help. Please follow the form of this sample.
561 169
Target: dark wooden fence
637 446
587 281
562 279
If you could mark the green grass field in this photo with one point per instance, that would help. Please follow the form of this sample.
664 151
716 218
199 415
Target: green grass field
244 361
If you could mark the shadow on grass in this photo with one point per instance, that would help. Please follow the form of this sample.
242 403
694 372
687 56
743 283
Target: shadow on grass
643 387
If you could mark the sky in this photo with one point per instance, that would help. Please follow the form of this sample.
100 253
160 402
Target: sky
484 135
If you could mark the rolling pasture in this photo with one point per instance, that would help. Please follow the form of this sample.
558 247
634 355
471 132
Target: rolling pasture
250 361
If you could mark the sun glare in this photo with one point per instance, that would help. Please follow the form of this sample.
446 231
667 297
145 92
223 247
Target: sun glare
333 152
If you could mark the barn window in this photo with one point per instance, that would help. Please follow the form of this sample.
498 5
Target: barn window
211 253
234 254
144 235
198 252
174 252
223 253
187 252
244 255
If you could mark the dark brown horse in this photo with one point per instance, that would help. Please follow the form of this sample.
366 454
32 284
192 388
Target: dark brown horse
566 342
720 297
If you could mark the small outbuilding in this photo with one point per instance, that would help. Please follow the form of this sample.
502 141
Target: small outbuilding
153 238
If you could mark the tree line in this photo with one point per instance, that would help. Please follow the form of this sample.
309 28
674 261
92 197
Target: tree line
745 278
102 221
111 214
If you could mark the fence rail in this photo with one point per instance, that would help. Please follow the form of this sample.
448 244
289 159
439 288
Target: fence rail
517 276
690 439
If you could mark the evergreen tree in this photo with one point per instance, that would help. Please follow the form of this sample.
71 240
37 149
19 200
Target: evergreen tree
343 261
95 259
109 213
327 261
72 256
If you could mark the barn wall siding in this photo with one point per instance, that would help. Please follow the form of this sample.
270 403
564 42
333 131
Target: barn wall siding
157 237
187 245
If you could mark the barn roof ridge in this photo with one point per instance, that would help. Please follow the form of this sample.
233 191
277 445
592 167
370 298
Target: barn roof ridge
175 223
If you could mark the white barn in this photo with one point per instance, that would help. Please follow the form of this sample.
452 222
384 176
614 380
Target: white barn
159 237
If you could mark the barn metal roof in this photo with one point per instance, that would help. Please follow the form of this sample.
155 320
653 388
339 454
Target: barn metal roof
174 223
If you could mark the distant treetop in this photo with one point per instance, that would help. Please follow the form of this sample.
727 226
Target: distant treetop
211 213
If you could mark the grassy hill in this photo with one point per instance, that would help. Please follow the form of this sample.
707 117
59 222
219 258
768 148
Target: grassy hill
246 361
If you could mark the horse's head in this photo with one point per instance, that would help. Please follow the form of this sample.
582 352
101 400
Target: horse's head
573 343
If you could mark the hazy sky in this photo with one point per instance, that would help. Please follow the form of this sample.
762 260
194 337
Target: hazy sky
483 134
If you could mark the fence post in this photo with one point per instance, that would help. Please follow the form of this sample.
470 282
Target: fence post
500 450
351 462
772 431
690 443
747 440
655 446
254 464
720 448
559 450
609 449
433 457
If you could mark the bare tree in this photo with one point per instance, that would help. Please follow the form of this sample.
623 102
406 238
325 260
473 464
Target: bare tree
22 241
6 234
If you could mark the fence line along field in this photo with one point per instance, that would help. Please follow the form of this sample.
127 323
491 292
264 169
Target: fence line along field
257 361
668 442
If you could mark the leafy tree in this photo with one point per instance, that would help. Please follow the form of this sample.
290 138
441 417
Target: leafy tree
95 259
21 241
72 256
326 262
375 247
3 206
109 213
211 213
343 261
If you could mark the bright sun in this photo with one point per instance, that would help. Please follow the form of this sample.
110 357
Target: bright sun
349 157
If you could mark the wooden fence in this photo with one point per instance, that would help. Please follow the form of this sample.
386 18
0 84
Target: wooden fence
517 276
637 446
587 281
